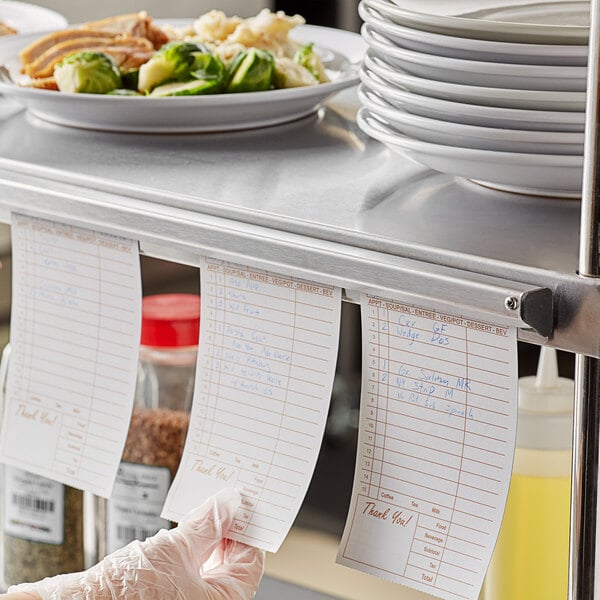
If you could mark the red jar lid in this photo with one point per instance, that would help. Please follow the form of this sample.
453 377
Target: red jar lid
170 320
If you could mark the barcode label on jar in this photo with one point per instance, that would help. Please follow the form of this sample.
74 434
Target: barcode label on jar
33 507
133 511
33 503
126 534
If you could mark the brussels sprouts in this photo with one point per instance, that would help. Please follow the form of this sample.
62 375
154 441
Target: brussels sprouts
129 79
196 87
173 62
206 66
87 73
309 59
251 71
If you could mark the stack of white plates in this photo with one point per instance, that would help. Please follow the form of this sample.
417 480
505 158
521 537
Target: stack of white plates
481 90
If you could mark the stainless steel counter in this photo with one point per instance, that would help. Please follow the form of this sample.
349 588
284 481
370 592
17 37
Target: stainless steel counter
316 198
319 177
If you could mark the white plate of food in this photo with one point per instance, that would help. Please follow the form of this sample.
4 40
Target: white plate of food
564 22
340 53
474 72
551 175
23 18
477 95
471 49
471 114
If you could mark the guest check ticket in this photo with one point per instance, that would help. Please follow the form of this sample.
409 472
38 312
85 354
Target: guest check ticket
75 336
268 349
436 445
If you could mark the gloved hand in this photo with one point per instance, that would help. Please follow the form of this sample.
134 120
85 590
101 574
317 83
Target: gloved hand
191 562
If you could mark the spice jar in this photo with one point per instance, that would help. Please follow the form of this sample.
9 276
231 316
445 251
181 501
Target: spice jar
531 557
42 522
159 422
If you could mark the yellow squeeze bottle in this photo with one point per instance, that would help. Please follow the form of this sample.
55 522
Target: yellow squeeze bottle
530 560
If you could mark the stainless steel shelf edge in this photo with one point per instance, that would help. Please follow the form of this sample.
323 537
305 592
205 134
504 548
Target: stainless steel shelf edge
410 249
182 236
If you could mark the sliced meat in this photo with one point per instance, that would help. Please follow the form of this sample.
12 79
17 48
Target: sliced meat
43 83
6 30
37 48
157 36
44 65
136 24
127 58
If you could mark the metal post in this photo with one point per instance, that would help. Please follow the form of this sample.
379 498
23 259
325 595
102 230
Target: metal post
584 584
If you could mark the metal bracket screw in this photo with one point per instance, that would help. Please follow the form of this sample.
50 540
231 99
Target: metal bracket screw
511 303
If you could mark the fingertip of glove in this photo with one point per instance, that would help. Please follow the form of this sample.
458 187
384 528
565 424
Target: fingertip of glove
222 506
229 498
239 552
204 528
241 563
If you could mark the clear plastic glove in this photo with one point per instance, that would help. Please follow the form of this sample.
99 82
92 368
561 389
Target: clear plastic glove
191 562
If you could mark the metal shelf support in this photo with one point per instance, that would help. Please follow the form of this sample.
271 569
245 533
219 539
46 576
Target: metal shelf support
584 583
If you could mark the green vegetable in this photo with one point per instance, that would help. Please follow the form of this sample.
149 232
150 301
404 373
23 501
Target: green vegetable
196 87
251 71
289 74
123 92
87 73
206 66
309 59
173 62
130 78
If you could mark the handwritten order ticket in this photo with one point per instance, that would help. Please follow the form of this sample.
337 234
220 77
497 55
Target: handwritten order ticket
75 333
436 444
268 348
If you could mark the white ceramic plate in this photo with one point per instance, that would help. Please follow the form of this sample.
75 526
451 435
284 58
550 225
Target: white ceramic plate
477 95
473 72
541 13
472 136
340 50
471 114
459 7
29 18
538 174
471 49
531 26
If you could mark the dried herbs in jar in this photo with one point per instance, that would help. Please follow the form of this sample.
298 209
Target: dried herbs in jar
43 527
159 422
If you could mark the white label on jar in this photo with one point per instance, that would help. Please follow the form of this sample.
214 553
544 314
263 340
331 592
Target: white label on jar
34 507
133 511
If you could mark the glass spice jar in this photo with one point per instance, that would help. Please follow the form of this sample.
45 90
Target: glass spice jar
159 422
